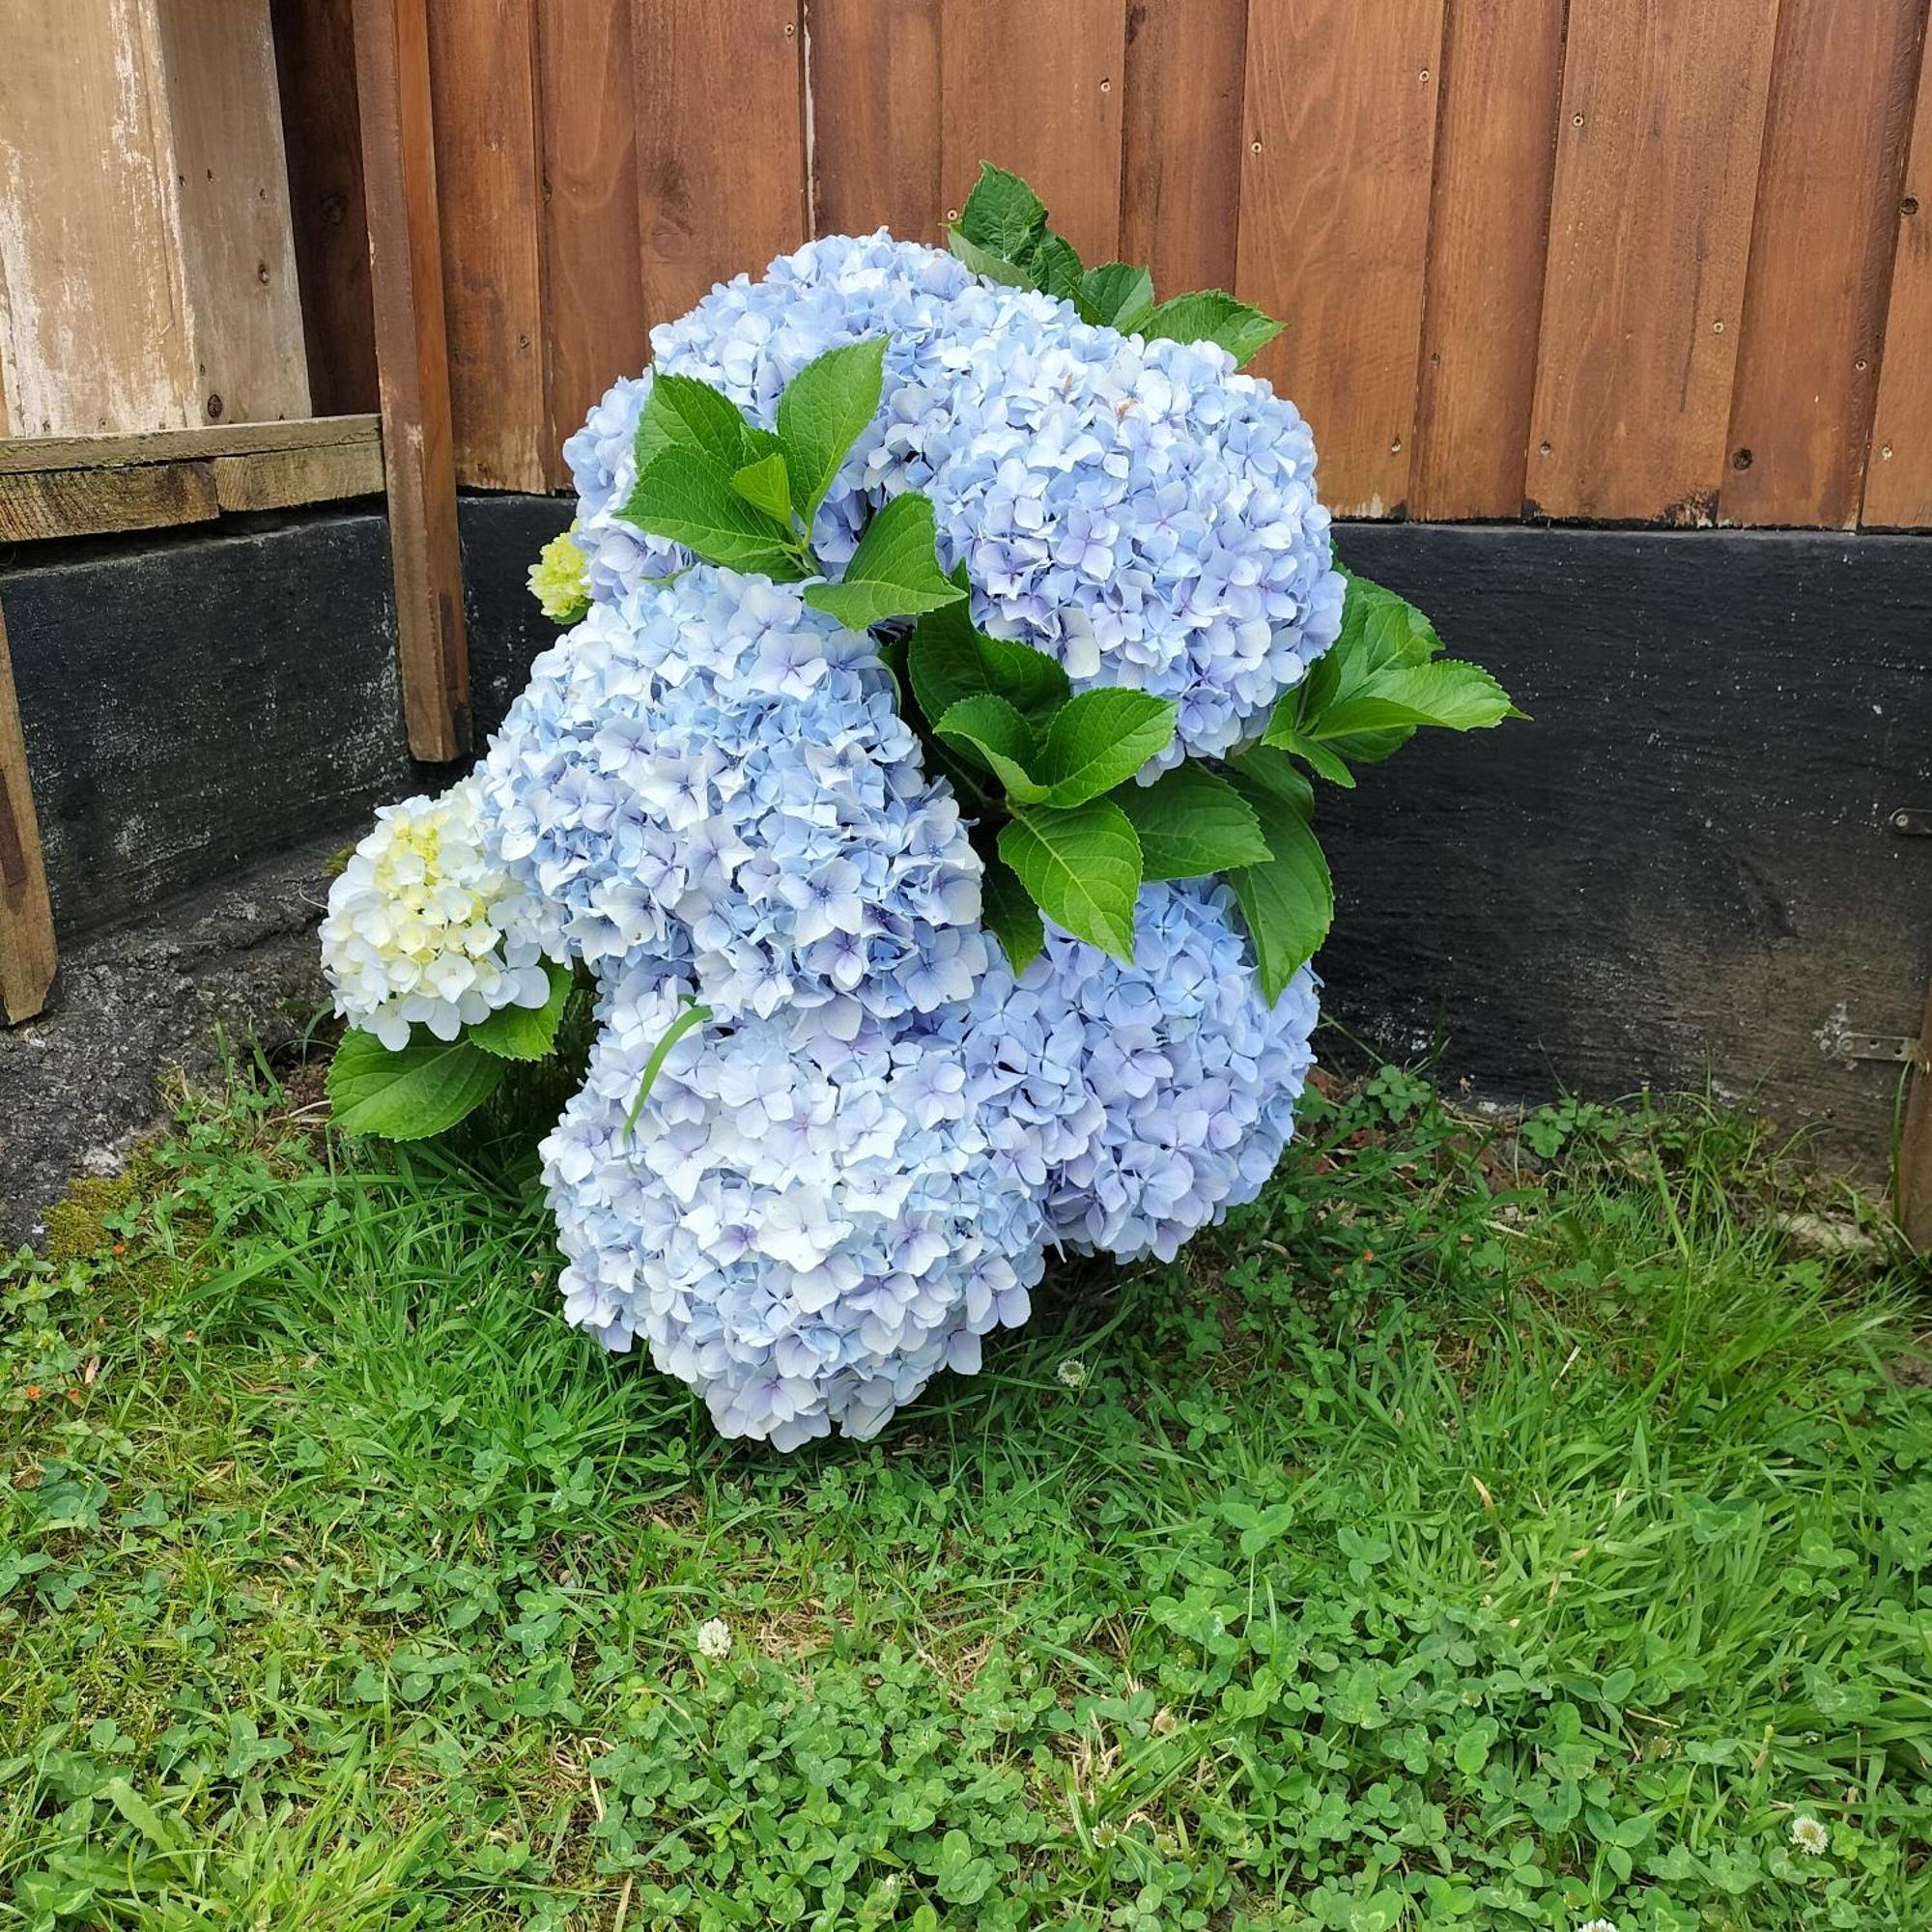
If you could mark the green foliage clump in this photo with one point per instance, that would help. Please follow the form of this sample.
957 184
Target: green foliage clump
78 1225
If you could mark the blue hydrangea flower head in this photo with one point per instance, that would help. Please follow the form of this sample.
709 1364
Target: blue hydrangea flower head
713 774
798 1222
1179 1080
1139 509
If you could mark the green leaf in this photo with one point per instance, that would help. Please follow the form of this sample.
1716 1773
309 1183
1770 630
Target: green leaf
1100 738
526 1032
1472 1746
824 411
426 1088
1190 822
1211 315
766 486
1011 916
681 412
1317 757
946 660
157 1830
1457 696
1002 214
1260 765
1289 901
1057 263
989 729
694 1015
894 573
1116 295
690 497
1082 867
1380 631
994 268
972 784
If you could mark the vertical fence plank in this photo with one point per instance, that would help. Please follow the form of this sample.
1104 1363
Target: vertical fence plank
315 64
1834 139
1502 71
1914 1178
594 324
1038 89
1899 474
26 918
1657 159
232 210
873 81
721 143
1180 174
1340 131
84 159
393 87
483 92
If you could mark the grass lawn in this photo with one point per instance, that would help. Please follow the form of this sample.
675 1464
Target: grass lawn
1460 1538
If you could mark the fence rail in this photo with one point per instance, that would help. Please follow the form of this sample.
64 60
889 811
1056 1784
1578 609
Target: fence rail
1621 260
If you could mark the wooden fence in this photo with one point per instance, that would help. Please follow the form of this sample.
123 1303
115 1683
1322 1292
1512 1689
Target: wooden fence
1620 260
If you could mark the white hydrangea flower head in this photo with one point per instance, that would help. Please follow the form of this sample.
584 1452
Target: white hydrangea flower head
425 926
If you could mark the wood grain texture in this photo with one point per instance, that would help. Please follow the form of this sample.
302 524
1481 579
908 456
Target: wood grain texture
721 143
85 206
1913 1182
27 955
1495 145
1899 474
231 207
92 502
482 64
1181 173
873 83
1039 90
315 63
595 329
1657 159
175 446
392 85
280 479
1835 140
1341 105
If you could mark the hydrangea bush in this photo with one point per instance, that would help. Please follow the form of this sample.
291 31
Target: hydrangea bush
919 796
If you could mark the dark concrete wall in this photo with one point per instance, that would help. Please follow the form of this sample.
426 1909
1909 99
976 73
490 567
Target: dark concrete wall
195 704
1682 869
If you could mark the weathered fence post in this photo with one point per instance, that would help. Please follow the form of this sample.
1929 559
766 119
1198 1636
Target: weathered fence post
413 366
26 920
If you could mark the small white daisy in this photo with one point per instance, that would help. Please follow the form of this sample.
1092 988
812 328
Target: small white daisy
714 1638
1073 1372
1808 1835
